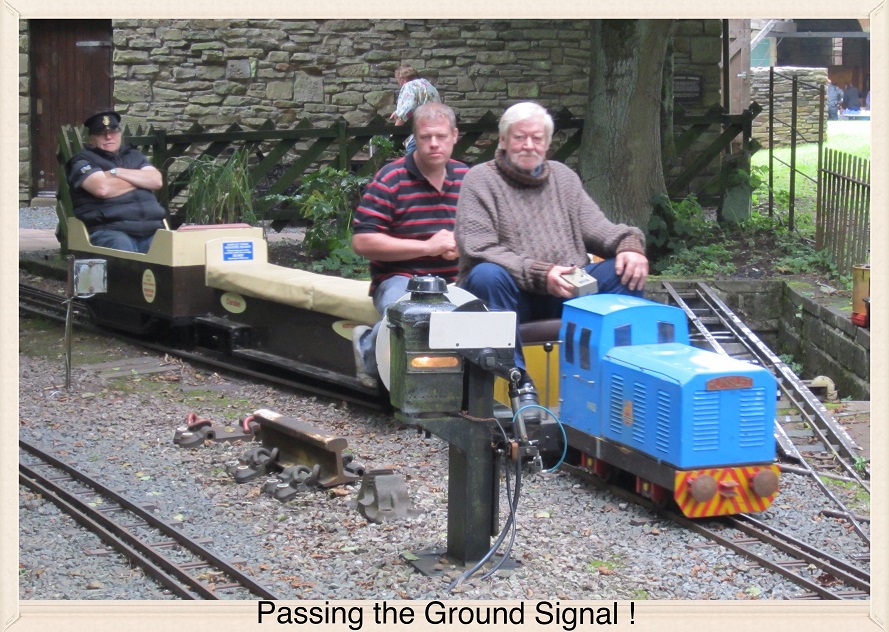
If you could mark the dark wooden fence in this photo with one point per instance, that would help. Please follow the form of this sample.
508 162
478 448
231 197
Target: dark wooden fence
279 158
843 222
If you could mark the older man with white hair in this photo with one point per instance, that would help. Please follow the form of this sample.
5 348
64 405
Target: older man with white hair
525 222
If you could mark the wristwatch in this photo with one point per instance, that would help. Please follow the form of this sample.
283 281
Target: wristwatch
113 172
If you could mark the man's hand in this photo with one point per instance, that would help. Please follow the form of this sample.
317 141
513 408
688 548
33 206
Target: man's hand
632 268
556 285
442 244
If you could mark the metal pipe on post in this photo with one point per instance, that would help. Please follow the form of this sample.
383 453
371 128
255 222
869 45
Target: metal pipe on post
819 227
771 140
794 95
68 324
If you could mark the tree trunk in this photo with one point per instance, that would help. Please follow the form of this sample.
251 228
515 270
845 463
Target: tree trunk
620 160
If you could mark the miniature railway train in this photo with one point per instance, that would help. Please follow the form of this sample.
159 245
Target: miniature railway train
636 400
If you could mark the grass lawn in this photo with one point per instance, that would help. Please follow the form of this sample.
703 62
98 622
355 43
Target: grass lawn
852 137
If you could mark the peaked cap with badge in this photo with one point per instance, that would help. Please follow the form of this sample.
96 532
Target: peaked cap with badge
100 121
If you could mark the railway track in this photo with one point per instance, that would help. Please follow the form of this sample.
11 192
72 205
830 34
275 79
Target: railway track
714 327
181 564
806 432
53 306
819 573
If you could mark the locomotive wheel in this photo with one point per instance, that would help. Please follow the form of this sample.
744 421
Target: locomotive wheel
605 471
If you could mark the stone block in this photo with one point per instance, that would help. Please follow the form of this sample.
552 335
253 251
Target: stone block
129 56
279 90
378 99
347 98
132 91
239 69
523 90
308 88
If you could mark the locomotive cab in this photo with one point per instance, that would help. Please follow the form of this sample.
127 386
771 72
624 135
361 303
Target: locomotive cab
592 326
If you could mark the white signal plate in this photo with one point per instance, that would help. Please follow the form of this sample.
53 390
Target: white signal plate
472 330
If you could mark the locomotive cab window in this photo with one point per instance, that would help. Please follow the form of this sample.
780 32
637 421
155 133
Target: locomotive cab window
569 342
585 335
622 336
666 332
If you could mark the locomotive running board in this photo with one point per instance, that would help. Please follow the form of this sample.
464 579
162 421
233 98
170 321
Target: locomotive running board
301 443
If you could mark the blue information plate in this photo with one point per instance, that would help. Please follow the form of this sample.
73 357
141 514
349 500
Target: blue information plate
237 251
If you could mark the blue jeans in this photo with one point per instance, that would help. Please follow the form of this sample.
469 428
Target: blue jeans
494 285
387 292
118 240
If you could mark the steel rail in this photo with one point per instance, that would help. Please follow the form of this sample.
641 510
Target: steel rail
49 305
858 579
132 542
792 387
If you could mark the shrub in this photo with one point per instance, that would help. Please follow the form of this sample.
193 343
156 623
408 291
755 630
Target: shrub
219 190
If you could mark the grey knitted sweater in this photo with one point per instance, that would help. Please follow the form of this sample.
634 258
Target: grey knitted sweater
527 224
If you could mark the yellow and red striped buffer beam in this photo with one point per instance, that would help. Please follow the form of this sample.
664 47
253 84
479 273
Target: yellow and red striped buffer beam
724 491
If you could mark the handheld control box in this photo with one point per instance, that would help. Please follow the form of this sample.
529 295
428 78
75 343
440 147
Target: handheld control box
583 283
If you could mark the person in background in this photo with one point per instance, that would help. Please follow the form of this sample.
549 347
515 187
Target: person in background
405 222
851 98
413 92
524 221
834 99
112 188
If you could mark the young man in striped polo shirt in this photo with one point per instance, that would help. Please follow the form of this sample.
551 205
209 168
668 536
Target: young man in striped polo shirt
405 222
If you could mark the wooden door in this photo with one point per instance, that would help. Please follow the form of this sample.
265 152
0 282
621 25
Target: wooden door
70 78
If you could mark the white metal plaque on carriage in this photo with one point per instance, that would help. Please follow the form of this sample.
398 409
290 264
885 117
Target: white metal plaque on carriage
90 277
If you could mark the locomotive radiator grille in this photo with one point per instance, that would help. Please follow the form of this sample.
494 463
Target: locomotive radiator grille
616 405
753 432
662 434
639 413
705 430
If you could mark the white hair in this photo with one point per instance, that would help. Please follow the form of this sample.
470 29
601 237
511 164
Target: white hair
522 112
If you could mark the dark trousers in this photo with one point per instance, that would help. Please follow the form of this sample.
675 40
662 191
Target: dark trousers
493 285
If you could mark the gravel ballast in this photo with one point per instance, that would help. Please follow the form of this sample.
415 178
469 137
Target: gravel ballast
573 541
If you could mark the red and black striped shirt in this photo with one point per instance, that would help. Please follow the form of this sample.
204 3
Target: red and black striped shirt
400 202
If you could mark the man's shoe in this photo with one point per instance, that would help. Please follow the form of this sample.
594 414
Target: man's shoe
364 376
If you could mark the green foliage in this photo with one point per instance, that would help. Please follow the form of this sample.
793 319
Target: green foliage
326 199
682 242
792 364
861 464
382 145
219 191
342 261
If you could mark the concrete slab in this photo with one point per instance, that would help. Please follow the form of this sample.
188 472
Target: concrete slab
36 240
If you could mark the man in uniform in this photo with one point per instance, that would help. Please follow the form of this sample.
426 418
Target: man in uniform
112 188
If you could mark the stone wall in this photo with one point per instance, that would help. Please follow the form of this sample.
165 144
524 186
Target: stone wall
797 320
821 337
174 73
808 81
24 111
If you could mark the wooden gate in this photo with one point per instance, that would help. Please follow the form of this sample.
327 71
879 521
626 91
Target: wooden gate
72 78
